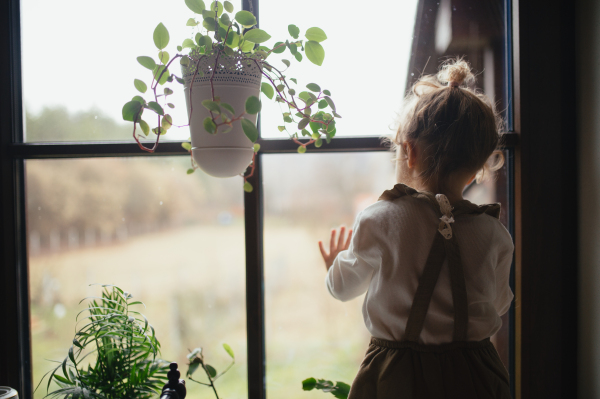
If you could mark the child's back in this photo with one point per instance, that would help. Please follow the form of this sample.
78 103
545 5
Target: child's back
393 239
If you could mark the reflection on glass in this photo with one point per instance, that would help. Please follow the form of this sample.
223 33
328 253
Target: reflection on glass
175 241
80 63
472 29
309 333
365 65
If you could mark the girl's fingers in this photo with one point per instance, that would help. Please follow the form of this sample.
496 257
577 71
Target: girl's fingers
332 241
324 254
347 245
340 243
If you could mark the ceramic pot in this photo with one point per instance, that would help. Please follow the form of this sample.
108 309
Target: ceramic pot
235 79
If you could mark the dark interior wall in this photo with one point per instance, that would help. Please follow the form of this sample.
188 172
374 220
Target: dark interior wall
588 100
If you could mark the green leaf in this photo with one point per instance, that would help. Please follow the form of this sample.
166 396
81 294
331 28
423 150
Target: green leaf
219 8
314 52
256 147
292 92
248 187
225 346
130 110
206 41
267 89
158 73
342 390
286 62
253 105
192 22
313 87
233 39
257 36
147 62
171 105
72 356
315 34
314 126
209 24
154 106
228 107
247 46
293 48
245 18
298 57
141 86
301 149
188 43
187 146
211 106
281 128
327 92
211 370
280 49
225 20
302 124
319 142
294 80
323 104
250 129
294 31
196 6
166 122
329 101
161 36
280 87
164 57
287 119
145 127
194 366
209 125
228 6
189 172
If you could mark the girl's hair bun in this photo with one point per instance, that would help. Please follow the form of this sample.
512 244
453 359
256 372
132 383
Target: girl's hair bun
456 72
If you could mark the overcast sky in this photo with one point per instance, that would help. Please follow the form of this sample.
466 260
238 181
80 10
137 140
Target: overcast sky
81 54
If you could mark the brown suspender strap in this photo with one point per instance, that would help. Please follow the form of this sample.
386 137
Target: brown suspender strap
427 283
459 290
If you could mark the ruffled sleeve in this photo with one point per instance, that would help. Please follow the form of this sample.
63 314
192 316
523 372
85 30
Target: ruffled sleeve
350 274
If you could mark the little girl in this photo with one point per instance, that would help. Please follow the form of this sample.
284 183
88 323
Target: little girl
434 265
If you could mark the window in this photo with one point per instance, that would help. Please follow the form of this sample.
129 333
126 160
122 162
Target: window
77 164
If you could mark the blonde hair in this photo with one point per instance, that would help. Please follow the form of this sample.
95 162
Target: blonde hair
456 127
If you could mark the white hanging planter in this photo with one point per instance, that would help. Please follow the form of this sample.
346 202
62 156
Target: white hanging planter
235 79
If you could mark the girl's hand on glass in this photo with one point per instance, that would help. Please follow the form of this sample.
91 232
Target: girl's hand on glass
335 246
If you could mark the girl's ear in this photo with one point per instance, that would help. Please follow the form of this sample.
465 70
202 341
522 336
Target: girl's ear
411 152
471 180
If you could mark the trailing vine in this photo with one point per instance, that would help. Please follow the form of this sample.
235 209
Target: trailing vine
217 32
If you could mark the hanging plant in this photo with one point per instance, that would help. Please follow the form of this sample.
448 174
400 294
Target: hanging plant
224 68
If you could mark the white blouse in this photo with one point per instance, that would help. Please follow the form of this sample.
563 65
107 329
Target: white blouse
387 255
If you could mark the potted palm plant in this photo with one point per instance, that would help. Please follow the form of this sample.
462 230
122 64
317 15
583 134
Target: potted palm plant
224 67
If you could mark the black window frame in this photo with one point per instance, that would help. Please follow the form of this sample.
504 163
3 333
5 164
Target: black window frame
545 252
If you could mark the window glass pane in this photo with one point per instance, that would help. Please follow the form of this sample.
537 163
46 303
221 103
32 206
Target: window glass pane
475 30
79 65
175 241
365 65
309 333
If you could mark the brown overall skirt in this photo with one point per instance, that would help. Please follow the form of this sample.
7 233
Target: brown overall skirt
408 370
